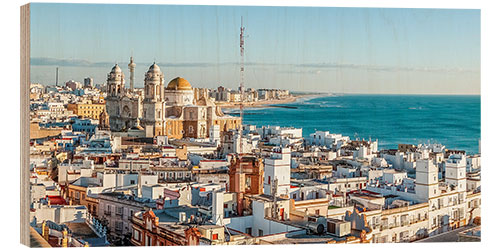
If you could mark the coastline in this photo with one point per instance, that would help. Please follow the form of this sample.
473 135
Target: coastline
267 103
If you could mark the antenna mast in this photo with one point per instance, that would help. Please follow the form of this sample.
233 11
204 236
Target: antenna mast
242 80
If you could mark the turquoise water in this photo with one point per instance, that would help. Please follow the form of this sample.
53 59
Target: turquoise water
454 121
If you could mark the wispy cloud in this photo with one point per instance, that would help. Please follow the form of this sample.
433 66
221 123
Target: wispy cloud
301 68
45 61
301 71
391 68
42 61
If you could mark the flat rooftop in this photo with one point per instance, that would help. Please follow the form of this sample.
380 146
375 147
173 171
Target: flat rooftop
305 238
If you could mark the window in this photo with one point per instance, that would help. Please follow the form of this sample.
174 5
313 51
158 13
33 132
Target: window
248 230
261 233
215 236
132 182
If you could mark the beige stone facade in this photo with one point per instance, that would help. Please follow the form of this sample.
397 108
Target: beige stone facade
172 110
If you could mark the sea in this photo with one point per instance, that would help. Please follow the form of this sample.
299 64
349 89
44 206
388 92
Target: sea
454 121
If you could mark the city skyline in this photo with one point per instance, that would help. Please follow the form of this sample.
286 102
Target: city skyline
339 50
158 135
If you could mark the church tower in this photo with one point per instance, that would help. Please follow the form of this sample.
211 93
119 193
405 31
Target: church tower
153 105
115 82
115 86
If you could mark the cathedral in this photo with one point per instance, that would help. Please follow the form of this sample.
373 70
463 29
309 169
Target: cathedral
172 111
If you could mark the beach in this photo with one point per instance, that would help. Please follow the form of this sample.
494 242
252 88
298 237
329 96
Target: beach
266 103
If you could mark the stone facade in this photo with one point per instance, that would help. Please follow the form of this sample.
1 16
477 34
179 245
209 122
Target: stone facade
122 107
172 110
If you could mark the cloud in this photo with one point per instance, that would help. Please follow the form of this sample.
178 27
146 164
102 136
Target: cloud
59 62
307 68
45 61
390 68
301 71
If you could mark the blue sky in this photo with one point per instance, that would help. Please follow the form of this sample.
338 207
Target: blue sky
341 50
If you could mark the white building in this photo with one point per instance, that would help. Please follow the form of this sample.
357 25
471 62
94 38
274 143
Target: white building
324 138
426 182
455 168
214 134
473 163
393 176
277 168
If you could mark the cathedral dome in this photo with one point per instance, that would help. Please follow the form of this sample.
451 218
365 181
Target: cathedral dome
154 68
116 69
179 83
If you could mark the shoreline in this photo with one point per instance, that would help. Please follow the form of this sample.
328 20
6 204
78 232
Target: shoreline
267 103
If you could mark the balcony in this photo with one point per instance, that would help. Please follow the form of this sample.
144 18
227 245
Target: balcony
107 212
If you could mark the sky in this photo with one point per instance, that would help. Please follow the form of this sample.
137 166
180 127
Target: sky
313 49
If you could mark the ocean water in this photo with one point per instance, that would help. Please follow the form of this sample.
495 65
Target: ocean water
454 121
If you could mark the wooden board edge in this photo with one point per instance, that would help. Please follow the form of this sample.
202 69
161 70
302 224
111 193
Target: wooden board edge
24 115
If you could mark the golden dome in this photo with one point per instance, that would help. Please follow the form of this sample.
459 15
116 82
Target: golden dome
179 83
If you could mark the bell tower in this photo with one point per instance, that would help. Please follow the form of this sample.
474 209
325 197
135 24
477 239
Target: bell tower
115 82
115 91
154 105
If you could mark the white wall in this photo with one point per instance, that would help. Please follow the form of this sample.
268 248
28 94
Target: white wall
59 214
